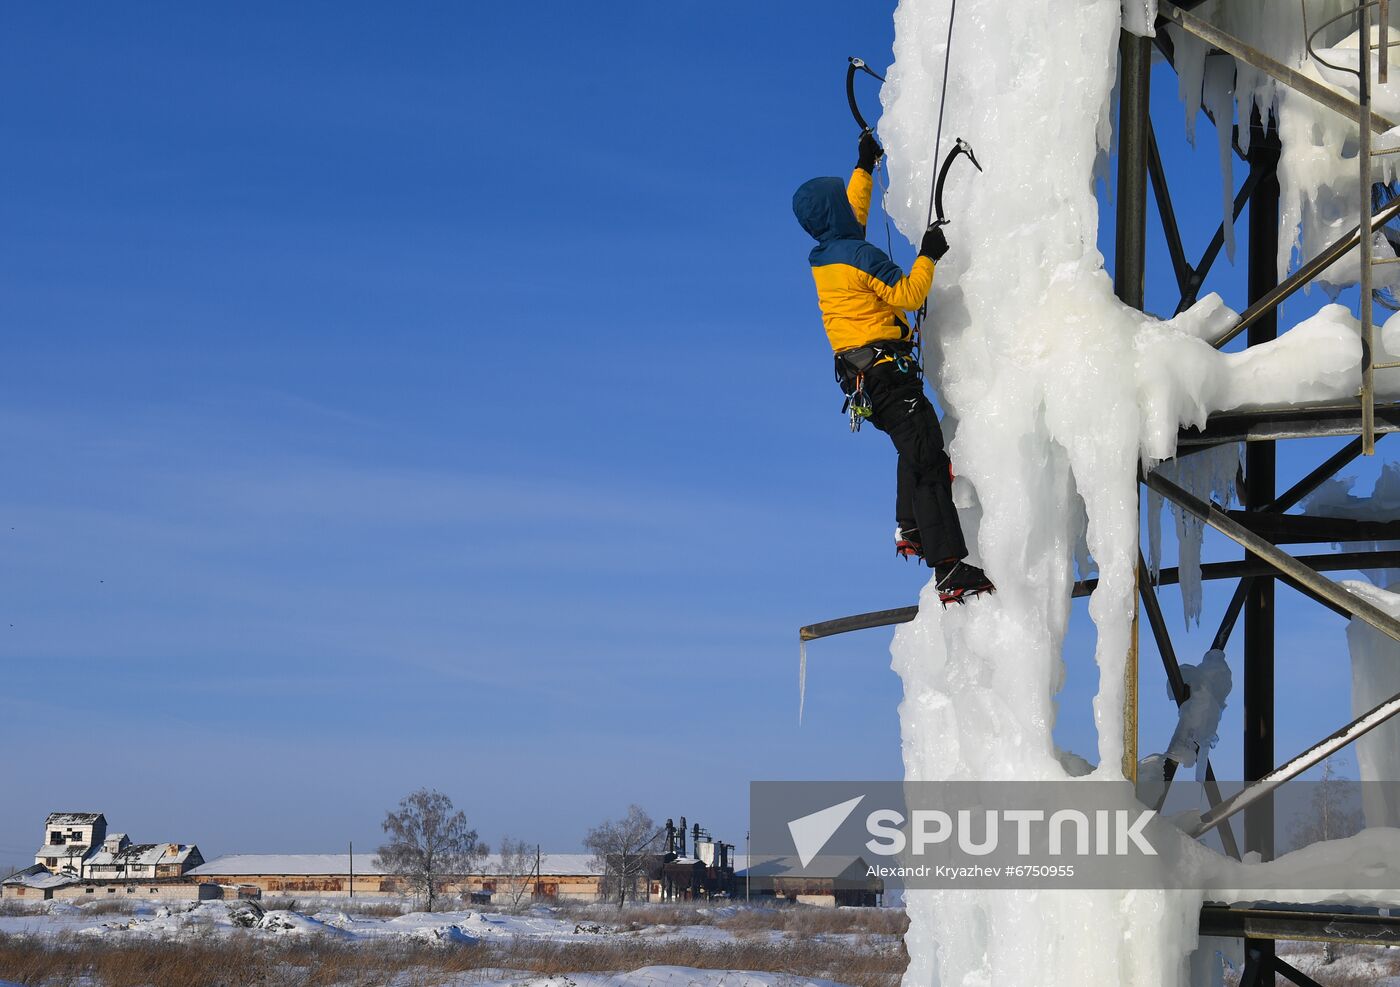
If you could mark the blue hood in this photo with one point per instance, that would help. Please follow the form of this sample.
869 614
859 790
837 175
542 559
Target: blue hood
822 208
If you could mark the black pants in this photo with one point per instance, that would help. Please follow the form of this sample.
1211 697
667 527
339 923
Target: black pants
924 494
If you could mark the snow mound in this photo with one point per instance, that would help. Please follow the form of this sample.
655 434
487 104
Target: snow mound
284 922
441 935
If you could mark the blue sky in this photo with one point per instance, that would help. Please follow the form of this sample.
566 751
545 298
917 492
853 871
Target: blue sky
434 395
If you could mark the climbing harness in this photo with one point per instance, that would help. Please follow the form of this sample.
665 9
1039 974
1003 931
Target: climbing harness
851 367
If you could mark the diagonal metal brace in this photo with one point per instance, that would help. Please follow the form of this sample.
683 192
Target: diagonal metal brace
1285 563
1314 755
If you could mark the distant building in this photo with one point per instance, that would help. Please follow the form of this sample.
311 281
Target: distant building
68 838
77 845
121 860
561 877
34 883
167 890
826 880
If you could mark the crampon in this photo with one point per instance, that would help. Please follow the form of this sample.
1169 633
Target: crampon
906 545
962 582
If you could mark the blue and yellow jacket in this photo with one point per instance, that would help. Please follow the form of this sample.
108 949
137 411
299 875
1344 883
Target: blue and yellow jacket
863 294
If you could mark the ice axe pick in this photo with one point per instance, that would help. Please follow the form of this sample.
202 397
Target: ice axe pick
959 148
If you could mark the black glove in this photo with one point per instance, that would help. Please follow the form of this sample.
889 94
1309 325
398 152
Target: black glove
934 244
870 152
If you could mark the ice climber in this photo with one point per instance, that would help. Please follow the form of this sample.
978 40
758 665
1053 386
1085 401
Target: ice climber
863 297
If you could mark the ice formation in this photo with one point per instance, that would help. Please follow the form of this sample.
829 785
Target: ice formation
1375 677
1043 384
1318 175
1209 683
1334 499
1209 474
1055 392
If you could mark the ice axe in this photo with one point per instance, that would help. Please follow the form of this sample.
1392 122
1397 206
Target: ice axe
961 147
854 65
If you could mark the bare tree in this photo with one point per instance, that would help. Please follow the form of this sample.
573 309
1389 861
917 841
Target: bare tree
518 871
621 851
1335 811
428 844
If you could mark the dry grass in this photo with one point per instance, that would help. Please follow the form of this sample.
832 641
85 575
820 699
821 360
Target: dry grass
794 920
1354 966
240 959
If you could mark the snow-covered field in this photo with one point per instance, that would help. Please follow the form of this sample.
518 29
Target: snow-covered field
728 946
652 976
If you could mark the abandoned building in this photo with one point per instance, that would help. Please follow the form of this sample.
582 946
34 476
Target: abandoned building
121 860
34 883
826 880
706 871
68 838
560 877
77 845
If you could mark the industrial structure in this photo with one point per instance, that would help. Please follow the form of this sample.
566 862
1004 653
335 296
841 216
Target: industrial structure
81 860
1263 524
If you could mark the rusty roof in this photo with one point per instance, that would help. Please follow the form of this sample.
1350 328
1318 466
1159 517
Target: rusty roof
73 818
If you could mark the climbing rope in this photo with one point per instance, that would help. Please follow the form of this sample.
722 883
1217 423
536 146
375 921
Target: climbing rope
933 188
942 102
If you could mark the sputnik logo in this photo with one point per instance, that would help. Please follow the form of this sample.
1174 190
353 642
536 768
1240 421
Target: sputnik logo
810 833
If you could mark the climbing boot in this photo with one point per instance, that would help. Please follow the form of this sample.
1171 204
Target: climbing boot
958 582
906 543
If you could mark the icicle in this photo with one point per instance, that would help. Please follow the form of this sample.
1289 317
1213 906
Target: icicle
1219 92
801 680
1190 71
1154 534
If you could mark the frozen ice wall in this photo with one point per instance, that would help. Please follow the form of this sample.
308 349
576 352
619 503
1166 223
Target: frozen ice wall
1037 362
1054 393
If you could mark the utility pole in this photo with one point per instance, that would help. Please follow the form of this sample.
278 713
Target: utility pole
352 868
748 862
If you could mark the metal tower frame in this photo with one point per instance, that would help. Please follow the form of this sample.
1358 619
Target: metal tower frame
1262 525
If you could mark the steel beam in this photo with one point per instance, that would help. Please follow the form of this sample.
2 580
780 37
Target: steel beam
1130 241
1305 924
1212 251
1269 424
1293 495
1166 212
857 622
1290 972
1135 145
1324 472
1286 564
1305 529
1158 623
1342 562
1260 475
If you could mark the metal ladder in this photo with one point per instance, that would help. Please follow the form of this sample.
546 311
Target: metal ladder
1365 152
